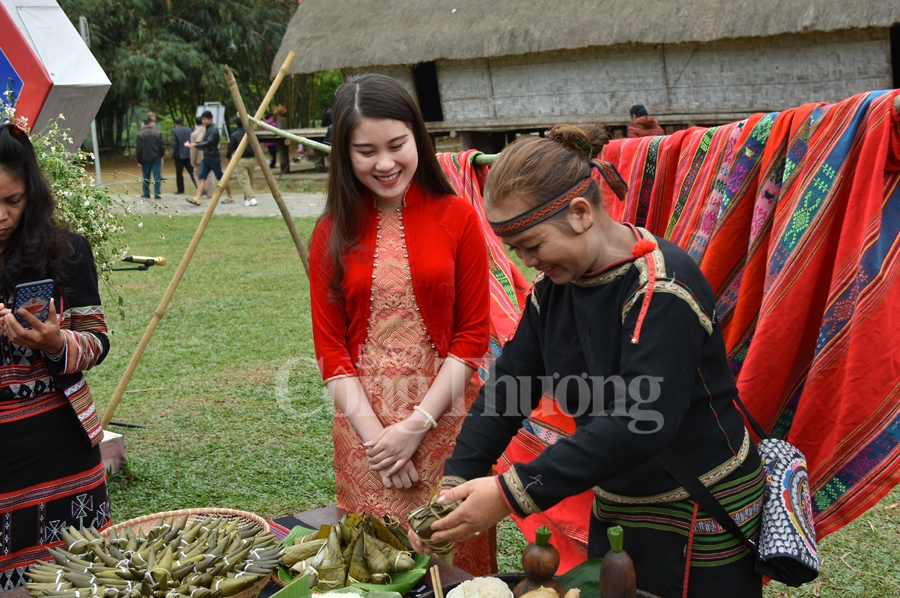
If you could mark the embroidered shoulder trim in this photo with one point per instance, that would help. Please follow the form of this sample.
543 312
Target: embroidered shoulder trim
708 479
603 278
640 263
674 288
658 261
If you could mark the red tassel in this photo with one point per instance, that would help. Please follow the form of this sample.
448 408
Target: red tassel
642 248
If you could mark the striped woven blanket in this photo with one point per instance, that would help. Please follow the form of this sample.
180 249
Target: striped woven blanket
508 287
794 217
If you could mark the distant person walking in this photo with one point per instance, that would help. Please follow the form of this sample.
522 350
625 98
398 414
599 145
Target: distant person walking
181 154
246 163
272 145
197 155
212 159
642 124
150 152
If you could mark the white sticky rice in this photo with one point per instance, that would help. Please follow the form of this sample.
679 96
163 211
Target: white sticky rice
481 587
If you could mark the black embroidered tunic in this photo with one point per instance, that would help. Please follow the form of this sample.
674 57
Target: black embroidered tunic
629 401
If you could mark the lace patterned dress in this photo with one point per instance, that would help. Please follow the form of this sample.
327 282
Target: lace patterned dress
398 364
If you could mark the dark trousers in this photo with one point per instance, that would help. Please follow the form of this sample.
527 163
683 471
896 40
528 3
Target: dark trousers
182 164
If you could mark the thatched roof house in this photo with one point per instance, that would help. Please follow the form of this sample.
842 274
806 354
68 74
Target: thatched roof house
518 62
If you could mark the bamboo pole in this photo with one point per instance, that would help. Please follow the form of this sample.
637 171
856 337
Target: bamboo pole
250 133
323 147
186 260
480 160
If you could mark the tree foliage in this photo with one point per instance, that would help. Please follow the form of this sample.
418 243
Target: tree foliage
169 55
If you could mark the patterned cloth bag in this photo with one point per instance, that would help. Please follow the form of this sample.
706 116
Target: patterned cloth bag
787 539
786 549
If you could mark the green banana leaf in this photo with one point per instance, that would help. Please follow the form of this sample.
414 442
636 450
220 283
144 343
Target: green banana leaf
284 575
296 532
585 577
401 583
298 588
365 594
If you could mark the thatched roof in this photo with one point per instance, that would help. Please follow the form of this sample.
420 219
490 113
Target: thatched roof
329 34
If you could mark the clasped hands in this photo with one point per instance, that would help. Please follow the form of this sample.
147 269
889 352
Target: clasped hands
390 452
43 336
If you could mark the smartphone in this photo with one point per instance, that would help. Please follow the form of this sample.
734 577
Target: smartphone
35 297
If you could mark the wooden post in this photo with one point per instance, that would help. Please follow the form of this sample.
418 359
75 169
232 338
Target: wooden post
186 260
250 133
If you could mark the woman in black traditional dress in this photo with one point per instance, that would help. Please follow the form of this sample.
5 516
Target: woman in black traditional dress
620 333
51 474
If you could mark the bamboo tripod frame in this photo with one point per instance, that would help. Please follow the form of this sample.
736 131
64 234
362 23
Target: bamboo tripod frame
195 241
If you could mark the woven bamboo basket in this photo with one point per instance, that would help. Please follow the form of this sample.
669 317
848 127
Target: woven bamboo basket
245 520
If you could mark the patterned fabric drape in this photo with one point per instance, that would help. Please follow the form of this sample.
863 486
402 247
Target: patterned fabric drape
508 287
794 218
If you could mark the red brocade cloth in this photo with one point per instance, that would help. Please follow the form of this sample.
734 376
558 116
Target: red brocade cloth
508 288
794 217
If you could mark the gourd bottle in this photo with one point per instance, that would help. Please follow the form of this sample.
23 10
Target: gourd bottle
540 561
617 578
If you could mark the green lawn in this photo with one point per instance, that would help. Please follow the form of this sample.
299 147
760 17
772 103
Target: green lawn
237 416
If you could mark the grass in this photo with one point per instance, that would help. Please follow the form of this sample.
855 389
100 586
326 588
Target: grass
237 416
223 385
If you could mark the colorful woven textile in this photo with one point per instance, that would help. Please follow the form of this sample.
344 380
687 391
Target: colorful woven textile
794 219
567 520
508 287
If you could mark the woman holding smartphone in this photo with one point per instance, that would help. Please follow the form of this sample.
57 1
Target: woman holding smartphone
52 474
400 305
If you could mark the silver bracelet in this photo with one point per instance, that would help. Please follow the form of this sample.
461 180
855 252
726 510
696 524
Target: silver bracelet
429 420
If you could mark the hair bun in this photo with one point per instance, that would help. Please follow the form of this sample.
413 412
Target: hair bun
588 140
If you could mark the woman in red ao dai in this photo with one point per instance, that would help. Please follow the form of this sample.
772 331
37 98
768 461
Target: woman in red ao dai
399 295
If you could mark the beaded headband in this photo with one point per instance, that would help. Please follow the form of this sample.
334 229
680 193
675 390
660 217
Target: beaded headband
538 214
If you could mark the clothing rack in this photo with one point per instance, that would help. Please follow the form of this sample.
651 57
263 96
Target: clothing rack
481 159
